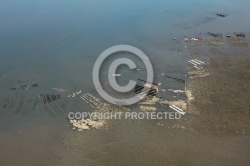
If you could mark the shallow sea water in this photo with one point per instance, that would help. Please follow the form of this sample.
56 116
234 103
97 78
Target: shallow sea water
55 44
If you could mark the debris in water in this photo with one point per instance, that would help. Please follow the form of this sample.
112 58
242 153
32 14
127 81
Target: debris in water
192 39
221 15
90 99
196 63
47 99
74 94
177 109
240 35
116 75
79 92
13 88
179 80
201 72
196 38
218 35
24 87
143 86
150 101
160 124
60 90
147 108
35 85
87 124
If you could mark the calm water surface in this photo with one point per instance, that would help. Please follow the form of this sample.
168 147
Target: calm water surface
56 42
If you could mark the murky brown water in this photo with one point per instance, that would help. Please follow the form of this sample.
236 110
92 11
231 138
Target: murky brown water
55 44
